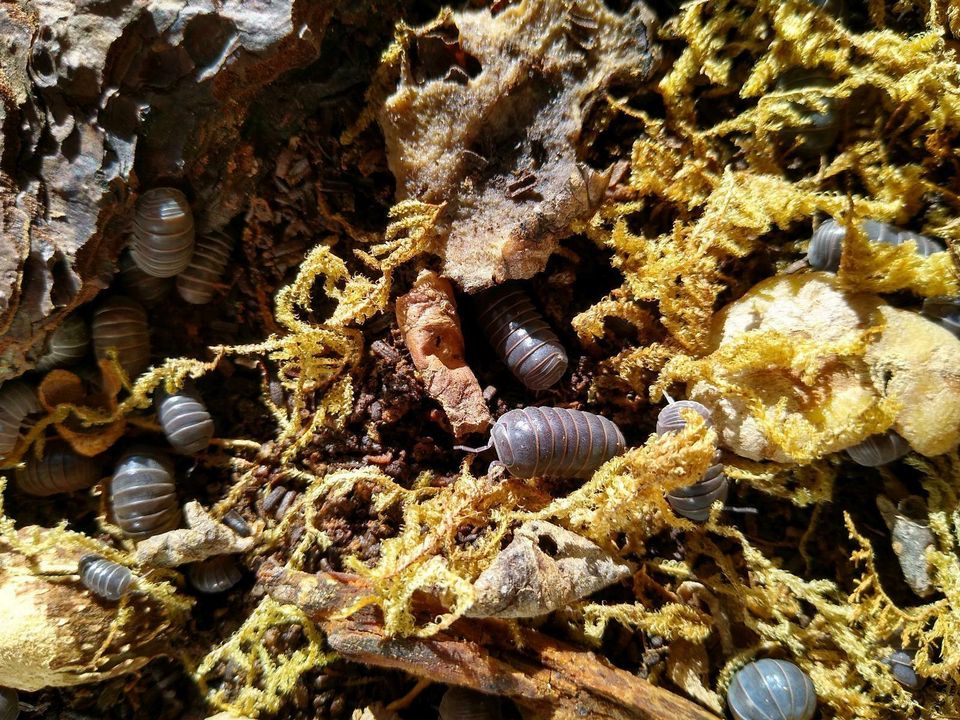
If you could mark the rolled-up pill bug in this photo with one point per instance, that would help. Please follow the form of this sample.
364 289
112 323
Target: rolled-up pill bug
105 578
879 449
121 323
67 345
694 501
185 420
945 311
901 665
553 442
18 400
146 288
460 703
771 690
521 337
826 245
198 283
163 236
61 470
234 520
143 496
215 574
9 704
669 419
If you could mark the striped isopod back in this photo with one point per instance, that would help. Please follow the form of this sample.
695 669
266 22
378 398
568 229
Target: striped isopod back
185 421
826 246
887 234
162 232
67 345
521 337
105 578
234 520
214 575
463 704
945 311
901 665
199 282
819 124
771 690
146 288
9 704
121 323
18 400
554 442
879 449
61 470
694 501
670 419
143 496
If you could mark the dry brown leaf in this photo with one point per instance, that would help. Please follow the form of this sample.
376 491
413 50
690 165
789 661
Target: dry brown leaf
203 538
689 668
431 329
62 387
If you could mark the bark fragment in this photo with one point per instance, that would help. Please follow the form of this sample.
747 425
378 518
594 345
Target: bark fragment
203 538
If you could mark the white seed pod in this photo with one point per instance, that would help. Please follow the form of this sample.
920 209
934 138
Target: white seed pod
462 704
771 690
879 449
18 400
121 323
9 704
61 470
185 421
670 419
105 578
146 288
162 232
198 283
143 496
214 575
67 345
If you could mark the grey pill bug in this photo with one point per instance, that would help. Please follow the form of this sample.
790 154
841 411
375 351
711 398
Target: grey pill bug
521 337
18 400
234 520
9 704
67 345
146 288
694 501
460 703
879 449
214 575
826 245
819 120
901 666
670 419
143 494
60 470
105 578
163 234
185 420
553 442
121 323
199 282
771 690
945 311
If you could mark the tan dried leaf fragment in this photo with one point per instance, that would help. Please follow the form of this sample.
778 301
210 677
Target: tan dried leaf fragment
487 117
431 330
543 568
910 536
203 538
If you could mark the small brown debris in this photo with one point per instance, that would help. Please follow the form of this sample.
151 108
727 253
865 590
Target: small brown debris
431 329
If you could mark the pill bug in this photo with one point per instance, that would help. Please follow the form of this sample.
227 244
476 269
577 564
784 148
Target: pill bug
670 420
879 449
162 232
234 520
820 120
521 337
215 574
198 283
18 400
945 311
143 496
121 323
61 470
901 665
9 704
826 245
694 501
771 690
105 578
553 442
460 703
67 345
146 288
185 421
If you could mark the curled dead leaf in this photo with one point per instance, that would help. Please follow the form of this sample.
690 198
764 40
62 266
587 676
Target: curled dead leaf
203 538
910 536
689 668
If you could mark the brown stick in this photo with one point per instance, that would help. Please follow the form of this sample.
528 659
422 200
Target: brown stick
546 676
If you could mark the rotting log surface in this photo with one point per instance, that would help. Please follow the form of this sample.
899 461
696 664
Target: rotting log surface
535 671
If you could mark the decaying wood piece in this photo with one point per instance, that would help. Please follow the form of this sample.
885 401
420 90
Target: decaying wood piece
486 119
546 676
427 315
94 93
203 538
